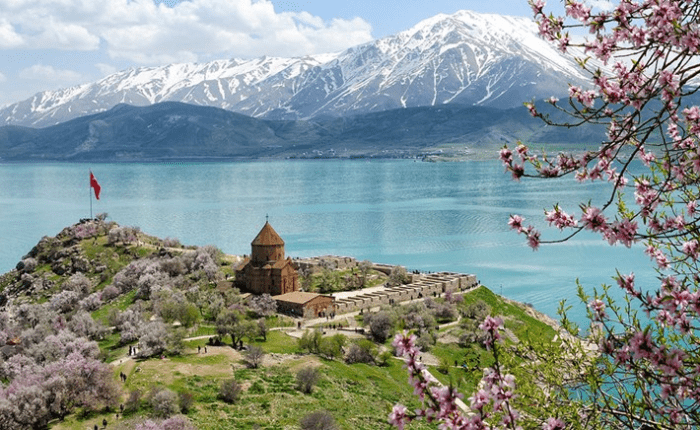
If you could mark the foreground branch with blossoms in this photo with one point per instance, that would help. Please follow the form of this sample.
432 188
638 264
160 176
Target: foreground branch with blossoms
642 369
440 403
642 59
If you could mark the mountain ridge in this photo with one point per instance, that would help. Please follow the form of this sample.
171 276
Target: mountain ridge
179 131
465 58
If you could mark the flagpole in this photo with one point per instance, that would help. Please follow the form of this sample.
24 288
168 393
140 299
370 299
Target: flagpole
90 192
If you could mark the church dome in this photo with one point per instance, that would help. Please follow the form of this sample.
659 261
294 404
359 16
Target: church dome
267 237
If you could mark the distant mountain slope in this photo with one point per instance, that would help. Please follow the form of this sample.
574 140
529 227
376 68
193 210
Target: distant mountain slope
465 58
170 130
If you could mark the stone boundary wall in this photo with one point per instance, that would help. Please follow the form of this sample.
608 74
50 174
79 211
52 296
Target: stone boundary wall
315 264
431 285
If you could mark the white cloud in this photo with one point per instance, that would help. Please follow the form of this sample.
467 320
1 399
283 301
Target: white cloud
145 33
40 72
8 36
106 69
603 5
2 77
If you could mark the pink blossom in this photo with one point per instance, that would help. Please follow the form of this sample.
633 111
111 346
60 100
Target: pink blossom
505 155
559 218
622 231
641 345
646 157
398 416
627 284
537 6
577 10
661 259
553 424
533 238
491 326
518 171
404 343
531 107
516 222
480 399
690 248
593 219
598 308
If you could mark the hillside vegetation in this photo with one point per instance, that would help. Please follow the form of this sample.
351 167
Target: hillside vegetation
103 323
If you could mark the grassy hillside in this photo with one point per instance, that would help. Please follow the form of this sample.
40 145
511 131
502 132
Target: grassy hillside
171 302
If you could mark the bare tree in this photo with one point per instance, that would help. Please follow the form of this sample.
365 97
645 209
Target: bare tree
319 420
254 356
365 267
306 379
230 391
398 276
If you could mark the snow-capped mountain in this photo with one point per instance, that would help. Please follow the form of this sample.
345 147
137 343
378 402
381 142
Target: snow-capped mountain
465 58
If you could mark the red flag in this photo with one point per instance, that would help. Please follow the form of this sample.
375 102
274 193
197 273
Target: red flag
95 185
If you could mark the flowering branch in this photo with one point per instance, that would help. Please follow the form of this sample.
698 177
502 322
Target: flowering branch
642 60
492 401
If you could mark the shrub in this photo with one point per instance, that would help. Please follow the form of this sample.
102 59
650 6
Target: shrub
361 351
426 340
472 333
230 391
185 401
477 310
384 357
91 302
319 420
65 301
380 325
153 339
165 403
332 347
398 276
175 423
445 312
109 293
78 283
82 324
171 242
262 306
444 365
306 379
254 356
133 402
310 341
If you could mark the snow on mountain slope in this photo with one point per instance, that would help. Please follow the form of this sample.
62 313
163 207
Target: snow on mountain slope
465 58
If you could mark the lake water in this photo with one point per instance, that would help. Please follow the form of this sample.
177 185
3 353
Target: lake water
426 216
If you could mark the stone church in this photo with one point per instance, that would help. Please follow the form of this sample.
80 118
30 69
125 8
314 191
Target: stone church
267 271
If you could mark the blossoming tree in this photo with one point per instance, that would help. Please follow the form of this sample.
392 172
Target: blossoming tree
643 59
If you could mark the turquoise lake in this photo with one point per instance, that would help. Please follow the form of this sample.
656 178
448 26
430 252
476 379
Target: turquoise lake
425 216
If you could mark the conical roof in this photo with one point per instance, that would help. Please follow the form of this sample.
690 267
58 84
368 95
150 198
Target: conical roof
267 237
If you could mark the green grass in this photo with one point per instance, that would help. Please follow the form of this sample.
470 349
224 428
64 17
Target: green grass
523 325
279 343
203 330
120 303
358 396
110 347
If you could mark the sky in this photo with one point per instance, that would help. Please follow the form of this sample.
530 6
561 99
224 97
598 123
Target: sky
52 44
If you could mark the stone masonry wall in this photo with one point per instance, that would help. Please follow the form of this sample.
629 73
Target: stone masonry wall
431 285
